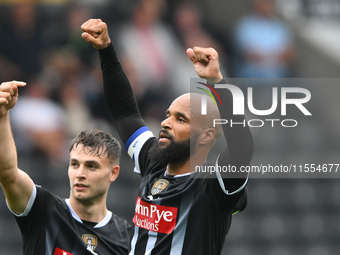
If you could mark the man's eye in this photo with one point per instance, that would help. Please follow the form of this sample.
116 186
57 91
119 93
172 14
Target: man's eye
91 166
181 120
74 164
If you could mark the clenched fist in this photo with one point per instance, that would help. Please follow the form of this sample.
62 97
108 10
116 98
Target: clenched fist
96 33
9 95
206 63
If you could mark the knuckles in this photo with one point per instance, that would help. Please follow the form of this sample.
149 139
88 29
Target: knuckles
201 53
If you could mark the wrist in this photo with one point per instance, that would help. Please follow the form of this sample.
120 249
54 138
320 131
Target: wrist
107 51
104 45
215 80
4 117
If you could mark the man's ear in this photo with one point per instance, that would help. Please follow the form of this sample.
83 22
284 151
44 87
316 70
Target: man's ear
207 136
114 172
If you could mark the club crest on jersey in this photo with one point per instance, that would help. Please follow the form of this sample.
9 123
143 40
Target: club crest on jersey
159 186
91 241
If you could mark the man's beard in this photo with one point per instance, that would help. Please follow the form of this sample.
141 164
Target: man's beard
174 152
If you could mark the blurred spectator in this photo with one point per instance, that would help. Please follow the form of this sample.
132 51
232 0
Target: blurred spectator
264 44
41 121
155 70
77 87
77 14
21 41
90 85
63 30
190 30
8 69
188 22
77 114
59 66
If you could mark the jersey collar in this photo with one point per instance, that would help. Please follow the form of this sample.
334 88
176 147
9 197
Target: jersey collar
177 175
102 223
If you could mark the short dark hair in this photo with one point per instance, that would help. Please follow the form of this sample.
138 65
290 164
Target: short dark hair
100 143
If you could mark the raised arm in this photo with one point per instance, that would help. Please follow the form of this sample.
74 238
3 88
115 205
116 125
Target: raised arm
118 95
239 149
15 183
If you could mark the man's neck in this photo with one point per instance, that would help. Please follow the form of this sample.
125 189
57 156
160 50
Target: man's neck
186 167
94 212
179 168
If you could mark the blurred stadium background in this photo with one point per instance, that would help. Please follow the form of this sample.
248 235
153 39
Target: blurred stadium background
40 43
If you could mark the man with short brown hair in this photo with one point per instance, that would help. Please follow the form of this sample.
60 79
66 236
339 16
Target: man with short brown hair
79 225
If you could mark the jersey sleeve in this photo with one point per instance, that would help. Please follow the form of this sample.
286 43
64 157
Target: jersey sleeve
122 105
30 221
28 206
239 148
139 141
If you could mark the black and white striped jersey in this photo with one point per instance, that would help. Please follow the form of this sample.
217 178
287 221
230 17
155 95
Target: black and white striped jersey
182 214
49 226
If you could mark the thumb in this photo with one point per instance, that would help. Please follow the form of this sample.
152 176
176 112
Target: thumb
86 36
90 39
190 53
